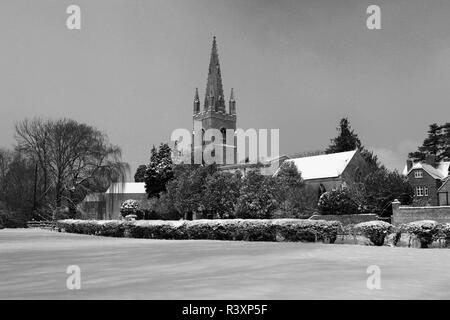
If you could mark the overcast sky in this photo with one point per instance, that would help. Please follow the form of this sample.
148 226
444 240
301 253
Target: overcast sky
295 65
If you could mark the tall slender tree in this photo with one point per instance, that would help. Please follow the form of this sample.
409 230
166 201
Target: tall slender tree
346 140
434 144
159 171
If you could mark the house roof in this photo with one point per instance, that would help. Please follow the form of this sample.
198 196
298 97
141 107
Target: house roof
440 172
445 181
127 187
323 166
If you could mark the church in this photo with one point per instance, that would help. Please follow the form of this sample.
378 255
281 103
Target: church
216 113
213 113
323 172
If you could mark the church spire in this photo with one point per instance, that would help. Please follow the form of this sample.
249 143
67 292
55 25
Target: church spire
214 87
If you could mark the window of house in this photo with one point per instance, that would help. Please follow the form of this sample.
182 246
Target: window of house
418 174
425 191
419 191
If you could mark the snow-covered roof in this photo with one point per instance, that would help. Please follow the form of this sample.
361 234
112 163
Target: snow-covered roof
127 187
440 172
322 166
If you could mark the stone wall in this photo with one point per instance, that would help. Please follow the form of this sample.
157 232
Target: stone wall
406 214
346 219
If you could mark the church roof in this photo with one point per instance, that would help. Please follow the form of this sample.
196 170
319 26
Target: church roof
126 187
323 166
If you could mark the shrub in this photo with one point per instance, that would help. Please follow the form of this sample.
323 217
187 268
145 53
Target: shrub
232 229
131 207
444 232
337 202
112 228
165 208
375 231
426 231
258 197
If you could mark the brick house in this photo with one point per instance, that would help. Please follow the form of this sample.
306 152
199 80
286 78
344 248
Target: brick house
426 178
444 193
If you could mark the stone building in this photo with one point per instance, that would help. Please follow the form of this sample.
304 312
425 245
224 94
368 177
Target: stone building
214 114
333 171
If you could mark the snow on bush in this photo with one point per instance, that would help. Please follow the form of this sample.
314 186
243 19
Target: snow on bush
130 207
444 232
232 229
375 231
107 228
426 231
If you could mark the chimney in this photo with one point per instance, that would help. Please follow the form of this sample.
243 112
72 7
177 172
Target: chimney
431 160
409 164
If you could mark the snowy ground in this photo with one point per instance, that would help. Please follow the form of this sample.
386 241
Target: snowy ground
33 266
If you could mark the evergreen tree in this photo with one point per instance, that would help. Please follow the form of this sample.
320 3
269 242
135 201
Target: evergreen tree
445 134
159 171
347 139
139 176
434 144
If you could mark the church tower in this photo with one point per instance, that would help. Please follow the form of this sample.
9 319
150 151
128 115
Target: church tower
214 113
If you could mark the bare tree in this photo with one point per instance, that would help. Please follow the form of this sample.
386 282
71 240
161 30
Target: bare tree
6 157
76 158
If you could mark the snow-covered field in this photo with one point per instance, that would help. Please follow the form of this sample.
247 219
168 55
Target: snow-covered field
33 265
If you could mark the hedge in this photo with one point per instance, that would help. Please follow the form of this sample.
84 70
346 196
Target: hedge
230 229
426 231
112 228
375 231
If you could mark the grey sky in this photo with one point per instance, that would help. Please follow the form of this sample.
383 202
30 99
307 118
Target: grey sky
295 65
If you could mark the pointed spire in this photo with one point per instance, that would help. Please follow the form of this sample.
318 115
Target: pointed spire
196 102
214 85
196 97
232 103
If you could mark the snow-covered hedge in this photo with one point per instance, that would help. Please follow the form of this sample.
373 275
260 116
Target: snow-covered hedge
232 229
107 228
444 232
426 231
375 231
